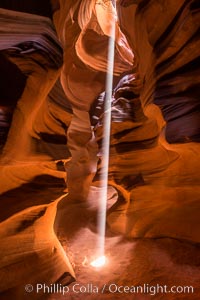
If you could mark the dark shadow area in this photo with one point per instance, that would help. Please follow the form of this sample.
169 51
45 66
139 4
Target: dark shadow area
183 251
12 82
42 189
177 89
42 8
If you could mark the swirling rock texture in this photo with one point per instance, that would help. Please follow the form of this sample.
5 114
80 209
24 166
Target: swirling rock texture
83 78
157 172
31 57
153 195
164 69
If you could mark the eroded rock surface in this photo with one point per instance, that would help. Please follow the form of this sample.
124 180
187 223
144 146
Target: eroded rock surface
154 152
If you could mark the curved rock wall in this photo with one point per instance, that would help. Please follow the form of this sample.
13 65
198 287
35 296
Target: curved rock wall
29 245
30 43
84 34
155 99
168 61
144 168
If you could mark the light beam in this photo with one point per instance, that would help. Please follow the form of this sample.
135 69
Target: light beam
106 142
99 262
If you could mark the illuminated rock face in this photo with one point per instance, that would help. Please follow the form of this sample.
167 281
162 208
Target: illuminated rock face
144 168
85 36
147 171
33 49
154 152
30 47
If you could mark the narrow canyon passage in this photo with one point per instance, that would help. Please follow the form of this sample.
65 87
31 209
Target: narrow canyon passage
54 64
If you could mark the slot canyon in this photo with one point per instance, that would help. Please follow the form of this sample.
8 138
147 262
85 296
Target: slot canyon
53 63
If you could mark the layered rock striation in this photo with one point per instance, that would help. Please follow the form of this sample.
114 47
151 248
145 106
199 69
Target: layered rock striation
59 113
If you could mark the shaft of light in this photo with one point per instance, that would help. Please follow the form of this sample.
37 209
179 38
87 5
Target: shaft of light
106 140
99 262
